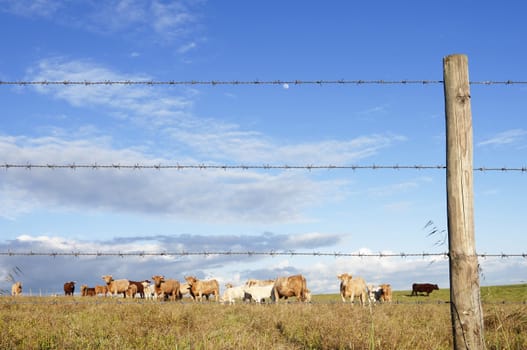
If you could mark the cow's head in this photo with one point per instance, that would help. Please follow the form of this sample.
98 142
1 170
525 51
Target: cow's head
158 279
436 287
107 278
344 277
191 280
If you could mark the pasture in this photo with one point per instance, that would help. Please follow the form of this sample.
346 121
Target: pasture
115 323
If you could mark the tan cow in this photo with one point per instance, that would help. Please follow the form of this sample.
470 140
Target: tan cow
184 288
101 290
116 286
166 288
198 288
16 289
285 287
351 287
132 290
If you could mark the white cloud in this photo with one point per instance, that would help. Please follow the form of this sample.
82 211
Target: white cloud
139 103
170 114
211 196
30 8
320 271
214 195
163 21
513 136
187 47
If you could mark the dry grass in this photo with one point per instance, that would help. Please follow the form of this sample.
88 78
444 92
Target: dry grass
99 323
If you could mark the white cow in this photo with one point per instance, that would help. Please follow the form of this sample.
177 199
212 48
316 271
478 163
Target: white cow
259 293
374 293
232 293
149 289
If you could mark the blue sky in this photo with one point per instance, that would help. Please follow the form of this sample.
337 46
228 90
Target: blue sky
346 211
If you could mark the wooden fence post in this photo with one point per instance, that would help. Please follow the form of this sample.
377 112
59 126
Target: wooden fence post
465 303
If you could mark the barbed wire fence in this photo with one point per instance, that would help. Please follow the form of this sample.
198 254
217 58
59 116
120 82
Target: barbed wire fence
308 167
246 82
207 253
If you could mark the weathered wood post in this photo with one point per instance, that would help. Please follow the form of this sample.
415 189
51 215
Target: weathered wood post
465 303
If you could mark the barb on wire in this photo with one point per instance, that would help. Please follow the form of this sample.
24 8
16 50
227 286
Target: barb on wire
249 254
243 82
202 166
216 82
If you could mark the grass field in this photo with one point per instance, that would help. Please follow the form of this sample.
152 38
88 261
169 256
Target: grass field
106 323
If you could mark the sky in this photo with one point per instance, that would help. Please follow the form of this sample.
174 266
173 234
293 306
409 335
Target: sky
342 212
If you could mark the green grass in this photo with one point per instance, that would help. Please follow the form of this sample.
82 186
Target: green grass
516 293
106 323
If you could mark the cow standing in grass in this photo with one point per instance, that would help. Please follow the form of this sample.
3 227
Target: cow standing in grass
16 289
285 287
232 293
351 287
101 290
423 288
69 288
166 288
198 288
259 293
116 286
87 291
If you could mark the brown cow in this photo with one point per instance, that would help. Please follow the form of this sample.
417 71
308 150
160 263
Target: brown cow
69 288
16 289
166 288
386 295
87 291
350 287
285 287
198 288
423 288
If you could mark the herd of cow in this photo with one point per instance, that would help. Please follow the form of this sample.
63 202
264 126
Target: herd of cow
253 290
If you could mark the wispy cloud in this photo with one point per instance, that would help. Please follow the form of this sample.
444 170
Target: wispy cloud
209 139
399 187
187 47
131 102
161 20
31 8
509 137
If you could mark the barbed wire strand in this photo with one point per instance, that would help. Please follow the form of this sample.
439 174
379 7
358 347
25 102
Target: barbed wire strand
244 82
251 253
137 166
